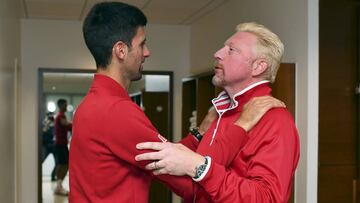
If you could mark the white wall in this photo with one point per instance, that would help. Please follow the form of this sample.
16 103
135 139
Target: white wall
60 44
296 22
9 51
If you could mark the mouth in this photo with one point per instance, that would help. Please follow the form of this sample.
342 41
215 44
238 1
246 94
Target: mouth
217 67
142 64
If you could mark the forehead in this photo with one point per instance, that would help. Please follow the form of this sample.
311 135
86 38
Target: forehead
242 38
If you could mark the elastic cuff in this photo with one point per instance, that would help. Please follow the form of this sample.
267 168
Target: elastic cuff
206 170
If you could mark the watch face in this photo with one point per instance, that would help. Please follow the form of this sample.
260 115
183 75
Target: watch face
201 169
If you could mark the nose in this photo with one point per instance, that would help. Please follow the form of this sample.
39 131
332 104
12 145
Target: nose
219 53
146 51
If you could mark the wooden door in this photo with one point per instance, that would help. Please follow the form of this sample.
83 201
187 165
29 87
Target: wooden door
338 105
284 89
188 104
284 86
156 109
205 93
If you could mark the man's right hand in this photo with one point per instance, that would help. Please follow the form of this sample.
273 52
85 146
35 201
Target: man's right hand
208 120
254 110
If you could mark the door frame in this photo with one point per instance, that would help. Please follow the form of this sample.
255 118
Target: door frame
41 112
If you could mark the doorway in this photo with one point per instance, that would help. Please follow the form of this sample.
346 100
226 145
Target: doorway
153 93
71 85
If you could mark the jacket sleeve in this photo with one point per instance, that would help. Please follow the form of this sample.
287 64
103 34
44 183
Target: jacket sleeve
269 168
190 142
128 126
228 146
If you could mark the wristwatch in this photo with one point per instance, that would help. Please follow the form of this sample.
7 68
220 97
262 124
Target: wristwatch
200 169
195 132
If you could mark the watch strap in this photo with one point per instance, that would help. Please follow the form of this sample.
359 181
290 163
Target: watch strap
195 132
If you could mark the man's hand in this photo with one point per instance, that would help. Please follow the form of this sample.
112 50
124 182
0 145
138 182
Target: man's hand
254 110
170 158
208 120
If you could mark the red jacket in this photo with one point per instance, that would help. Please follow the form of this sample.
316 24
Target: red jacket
264 161
107 126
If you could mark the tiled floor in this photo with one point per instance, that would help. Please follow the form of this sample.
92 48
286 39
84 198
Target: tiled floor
48 188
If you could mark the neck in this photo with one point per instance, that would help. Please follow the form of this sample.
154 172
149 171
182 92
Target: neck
234 89
115 75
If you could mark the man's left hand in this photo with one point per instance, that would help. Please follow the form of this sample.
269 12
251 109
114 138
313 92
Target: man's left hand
170 158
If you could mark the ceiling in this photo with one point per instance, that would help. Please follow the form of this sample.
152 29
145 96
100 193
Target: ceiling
79 83
178 12
65 82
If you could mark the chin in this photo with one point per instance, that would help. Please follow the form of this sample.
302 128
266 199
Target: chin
217 81
138 77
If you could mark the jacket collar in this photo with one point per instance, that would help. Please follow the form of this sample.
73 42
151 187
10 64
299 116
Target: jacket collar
108 86
224 103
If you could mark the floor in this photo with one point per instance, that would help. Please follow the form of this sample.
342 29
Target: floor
48 188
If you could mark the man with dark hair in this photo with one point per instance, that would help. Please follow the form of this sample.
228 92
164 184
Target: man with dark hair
62 127
108 125
103 29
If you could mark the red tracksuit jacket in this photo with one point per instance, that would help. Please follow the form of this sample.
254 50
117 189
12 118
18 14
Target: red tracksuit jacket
107 126
257 167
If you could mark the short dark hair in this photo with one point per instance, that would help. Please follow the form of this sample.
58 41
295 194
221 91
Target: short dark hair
108 23
61 102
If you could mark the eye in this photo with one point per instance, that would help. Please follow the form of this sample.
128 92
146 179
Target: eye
143 43
231 49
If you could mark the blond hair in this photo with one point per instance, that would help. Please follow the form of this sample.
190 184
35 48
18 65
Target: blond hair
269 46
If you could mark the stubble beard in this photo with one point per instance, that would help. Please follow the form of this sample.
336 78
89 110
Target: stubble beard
218 81
137 76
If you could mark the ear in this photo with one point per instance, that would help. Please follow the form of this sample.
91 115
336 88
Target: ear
120 50
259 67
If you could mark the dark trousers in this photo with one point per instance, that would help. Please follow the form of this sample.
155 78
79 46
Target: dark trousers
47 150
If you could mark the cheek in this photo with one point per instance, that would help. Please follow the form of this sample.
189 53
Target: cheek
232 67
235 70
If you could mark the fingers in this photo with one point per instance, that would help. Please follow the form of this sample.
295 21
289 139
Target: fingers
160 171
155 165
265 100
152 166
258 106
255 109
208 120
148 156
275 102
212 109
263 103
157 168
152 145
